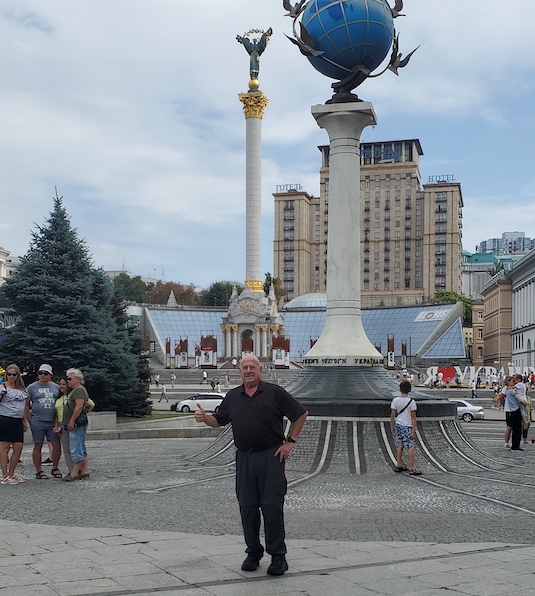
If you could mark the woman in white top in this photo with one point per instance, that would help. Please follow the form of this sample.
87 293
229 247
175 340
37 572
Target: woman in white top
13 425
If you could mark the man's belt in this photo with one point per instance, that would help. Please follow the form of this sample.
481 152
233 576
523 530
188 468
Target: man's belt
254 449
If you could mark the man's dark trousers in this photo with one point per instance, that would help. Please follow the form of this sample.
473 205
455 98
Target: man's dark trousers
261 486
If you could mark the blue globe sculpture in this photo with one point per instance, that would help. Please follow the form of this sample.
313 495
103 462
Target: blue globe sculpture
350 33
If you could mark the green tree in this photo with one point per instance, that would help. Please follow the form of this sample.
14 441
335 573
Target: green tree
277 286
130 288
219 292
495 269
159 294
66 318
447 297
3 300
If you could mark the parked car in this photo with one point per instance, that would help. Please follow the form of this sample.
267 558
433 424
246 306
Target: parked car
209 401
467 411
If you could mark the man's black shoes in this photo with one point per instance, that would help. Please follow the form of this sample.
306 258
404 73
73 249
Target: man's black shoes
251 562
278 565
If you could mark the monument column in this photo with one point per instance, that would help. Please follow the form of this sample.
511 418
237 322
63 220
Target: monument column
254 103
343 341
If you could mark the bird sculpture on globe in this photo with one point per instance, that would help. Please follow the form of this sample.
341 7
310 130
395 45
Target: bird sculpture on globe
347 40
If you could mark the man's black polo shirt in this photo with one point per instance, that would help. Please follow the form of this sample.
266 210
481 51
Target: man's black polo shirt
257 421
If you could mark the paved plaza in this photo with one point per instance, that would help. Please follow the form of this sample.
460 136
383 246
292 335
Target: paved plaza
151 519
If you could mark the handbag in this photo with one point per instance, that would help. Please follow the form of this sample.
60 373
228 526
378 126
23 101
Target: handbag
82 419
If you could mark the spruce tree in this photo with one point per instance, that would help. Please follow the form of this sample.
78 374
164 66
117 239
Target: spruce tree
66 319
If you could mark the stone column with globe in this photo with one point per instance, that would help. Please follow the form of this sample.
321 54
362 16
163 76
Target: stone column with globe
349 41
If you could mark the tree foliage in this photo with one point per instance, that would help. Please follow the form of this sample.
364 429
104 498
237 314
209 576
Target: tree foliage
66 318
159 294
130 288
495 269
447 297
219 292
277 285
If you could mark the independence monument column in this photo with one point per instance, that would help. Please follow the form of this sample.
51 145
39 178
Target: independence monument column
254 103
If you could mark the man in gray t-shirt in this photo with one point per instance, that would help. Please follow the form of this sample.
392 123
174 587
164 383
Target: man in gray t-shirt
42 397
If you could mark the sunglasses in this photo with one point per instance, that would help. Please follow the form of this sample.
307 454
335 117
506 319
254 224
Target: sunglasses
71 378
43 372
12 374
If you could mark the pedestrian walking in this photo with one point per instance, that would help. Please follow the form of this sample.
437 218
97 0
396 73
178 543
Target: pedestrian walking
163 394
173 379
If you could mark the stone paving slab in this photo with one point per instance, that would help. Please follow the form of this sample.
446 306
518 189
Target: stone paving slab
124 562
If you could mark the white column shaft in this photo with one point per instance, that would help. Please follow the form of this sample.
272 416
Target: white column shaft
253 208
343 340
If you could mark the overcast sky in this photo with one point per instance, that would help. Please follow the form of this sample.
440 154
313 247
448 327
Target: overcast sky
130 107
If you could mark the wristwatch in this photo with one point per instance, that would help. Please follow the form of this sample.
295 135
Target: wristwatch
290 440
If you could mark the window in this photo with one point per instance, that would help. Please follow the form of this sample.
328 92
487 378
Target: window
317 217
367 182
480 316
480 352
440 197
317 207
398 224
480 334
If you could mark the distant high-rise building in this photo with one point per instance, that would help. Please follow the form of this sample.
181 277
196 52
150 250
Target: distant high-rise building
510 243
411 238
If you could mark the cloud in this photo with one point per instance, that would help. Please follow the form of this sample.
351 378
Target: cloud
131 107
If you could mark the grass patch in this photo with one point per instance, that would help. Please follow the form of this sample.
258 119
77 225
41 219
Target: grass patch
153 416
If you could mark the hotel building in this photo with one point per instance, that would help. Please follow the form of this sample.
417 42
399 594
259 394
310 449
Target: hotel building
411 236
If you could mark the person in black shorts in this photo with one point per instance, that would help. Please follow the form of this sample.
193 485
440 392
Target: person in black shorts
256 410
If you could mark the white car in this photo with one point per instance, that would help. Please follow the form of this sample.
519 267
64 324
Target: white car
467 411
209 401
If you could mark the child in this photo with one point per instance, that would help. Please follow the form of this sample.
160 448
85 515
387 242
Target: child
403 423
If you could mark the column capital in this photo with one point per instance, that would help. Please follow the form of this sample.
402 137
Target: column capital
254 104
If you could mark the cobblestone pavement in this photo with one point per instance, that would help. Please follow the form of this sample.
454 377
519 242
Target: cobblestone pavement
151 485
151 519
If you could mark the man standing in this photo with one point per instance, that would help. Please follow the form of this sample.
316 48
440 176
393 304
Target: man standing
256 410
173 379
42 396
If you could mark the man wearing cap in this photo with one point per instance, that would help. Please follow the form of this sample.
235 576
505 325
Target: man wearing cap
42 396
